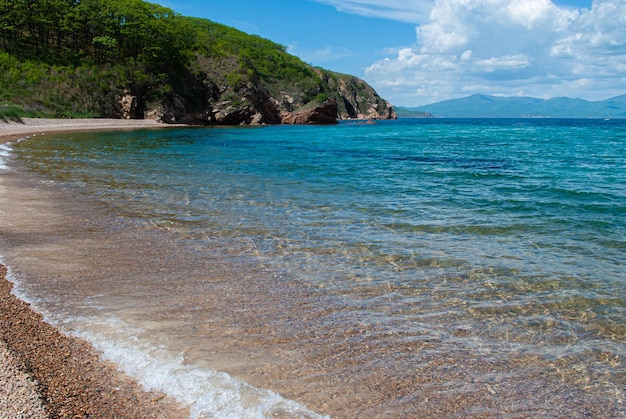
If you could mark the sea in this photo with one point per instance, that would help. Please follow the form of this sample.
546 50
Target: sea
410 268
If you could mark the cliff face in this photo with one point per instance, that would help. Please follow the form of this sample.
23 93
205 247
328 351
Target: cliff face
259 102
357 99
254 105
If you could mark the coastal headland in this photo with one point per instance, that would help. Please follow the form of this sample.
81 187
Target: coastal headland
45 373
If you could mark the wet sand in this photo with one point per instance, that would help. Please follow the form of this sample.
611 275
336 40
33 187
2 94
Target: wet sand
44 373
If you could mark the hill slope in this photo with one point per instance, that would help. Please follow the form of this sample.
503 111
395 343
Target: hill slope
515 107
134 59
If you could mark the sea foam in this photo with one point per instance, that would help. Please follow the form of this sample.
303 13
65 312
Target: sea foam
5 151
209 393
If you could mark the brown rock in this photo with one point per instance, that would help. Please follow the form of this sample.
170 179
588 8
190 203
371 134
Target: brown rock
324 113
128 105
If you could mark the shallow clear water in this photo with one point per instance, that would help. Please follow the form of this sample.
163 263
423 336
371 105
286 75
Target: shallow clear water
413 267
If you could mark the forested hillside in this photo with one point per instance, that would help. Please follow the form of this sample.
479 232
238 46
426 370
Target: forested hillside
130 58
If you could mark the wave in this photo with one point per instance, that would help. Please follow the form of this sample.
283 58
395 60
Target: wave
208 393
5 151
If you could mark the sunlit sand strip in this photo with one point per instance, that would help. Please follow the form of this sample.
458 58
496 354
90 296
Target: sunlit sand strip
28 127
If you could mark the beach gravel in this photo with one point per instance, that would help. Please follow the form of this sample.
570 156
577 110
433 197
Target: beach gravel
45 369
47 374
18 391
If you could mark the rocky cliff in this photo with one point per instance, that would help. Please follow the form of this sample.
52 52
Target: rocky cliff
234 89
257 103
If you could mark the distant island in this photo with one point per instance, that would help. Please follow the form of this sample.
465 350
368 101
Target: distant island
409 113
484 106
133 59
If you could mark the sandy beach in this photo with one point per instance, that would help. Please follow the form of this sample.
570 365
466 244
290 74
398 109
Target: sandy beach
44 373
29 127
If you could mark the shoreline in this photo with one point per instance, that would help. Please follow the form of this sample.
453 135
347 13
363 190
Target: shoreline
45 373
67 376
30 127
322 330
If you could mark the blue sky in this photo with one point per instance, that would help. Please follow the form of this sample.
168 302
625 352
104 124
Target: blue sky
415 52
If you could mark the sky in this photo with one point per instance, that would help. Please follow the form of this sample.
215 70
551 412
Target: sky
417 52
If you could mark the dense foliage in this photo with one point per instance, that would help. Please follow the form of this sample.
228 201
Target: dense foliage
77 57
78 31
67 57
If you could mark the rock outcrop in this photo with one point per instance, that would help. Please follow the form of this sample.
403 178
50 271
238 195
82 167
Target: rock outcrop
323 113
220 102
127 106
360 100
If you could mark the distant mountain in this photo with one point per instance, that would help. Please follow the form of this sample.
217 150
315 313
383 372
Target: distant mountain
484 106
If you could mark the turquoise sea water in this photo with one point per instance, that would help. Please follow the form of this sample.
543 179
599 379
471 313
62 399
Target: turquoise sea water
409 268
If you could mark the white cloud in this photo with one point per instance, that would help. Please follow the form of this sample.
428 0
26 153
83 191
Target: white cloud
467 55
412 11
506 47
506 62
529 13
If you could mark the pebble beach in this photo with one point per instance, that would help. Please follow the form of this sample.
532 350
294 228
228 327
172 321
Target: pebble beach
44 373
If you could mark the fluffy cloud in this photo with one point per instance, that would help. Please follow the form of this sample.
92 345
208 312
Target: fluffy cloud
508 47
